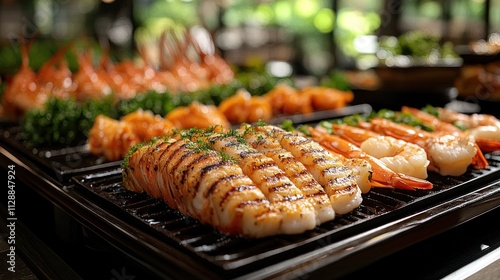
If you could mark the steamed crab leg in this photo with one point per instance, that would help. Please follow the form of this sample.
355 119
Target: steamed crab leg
381 175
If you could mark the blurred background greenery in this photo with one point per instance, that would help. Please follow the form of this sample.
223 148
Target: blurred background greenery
312 37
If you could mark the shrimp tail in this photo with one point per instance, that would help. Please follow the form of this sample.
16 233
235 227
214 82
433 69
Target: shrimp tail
488 145
402 181
479 161
383 175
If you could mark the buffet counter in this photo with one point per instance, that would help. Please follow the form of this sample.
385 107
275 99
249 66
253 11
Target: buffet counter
70 224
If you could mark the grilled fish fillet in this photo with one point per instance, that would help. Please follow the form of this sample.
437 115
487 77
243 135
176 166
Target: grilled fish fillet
201 184
253 182
298 213
294 169
337 179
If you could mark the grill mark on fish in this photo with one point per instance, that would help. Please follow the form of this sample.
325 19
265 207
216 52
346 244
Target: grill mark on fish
235 189
205 170
190 165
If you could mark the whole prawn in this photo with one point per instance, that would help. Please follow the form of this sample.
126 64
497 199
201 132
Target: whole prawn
448 154
382 175
484 128
22 92
400 156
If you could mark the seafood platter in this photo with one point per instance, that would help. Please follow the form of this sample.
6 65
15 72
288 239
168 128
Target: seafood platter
286 184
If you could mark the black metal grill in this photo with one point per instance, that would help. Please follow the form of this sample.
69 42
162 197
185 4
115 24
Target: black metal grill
100 182
237 255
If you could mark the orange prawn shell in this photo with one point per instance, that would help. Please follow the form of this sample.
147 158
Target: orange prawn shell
324 98
111 138
242 107
197 115
146 125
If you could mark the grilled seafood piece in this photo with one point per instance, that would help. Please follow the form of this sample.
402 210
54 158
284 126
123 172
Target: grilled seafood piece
382 175
197 115
336 178
294 169
200 183
113 138
400 156
23 92
244 108
298 213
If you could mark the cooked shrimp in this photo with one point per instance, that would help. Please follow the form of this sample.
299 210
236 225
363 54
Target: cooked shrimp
483 128
244 108
150 78
398 155
122 85
468 121
55 75
382 175
325 98
298 213
197 115
173 59
22 92
294 169
219 71
89 84
448 154
111 138
336 178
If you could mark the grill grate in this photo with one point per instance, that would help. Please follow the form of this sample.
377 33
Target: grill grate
236 253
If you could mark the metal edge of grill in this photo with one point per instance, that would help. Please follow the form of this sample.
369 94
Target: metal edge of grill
236 254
